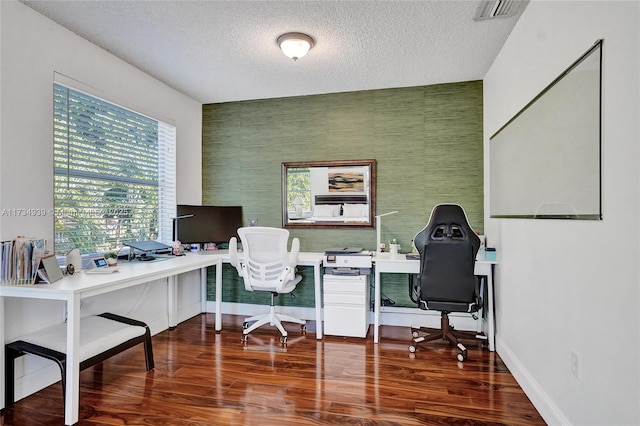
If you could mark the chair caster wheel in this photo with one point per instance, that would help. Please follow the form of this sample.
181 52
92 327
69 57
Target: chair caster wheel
243 339
303 329
245 325
412 348
415 334
283 340
462 355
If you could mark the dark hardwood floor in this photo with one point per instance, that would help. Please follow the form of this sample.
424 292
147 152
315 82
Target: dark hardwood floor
206 378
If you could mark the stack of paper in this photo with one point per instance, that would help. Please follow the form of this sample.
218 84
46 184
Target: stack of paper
19 259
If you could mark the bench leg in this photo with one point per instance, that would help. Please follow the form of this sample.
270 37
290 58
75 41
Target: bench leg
148 347
148 351
63 372
9 375
11 354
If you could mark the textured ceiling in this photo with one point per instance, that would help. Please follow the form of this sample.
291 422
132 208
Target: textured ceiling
219 51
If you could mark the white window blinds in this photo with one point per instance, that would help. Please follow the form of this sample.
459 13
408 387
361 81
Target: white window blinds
114 174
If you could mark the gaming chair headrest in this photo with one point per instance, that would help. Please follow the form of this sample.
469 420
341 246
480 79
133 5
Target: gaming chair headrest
447 221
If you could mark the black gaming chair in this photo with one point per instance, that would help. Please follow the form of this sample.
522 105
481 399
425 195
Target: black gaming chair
448 248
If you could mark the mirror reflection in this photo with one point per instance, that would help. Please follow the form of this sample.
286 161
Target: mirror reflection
328 194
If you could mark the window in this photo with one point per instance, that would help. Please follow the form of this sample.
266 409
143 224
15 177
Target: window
114 174
299 185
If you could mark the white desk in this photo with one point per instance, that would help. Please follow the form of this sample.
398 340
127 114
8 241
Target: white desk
399 264
304 259
72 289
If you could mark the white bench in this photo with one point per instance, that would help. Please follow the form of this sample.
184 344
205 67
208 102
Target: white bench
101 336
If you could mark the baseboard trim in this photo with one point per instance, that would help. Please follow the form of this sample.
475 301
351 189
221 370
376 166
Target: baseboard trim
549 411
403 317
184 313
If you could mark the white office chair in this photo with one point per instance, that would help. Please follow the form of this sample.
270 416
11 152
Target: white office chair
267 266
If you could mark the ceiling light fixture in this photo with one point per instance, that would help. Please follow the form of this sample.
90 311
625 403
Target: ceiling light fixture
295 45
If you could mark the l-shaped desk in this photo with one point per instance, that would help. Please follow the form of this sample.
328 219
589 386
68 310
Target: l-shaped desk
79 286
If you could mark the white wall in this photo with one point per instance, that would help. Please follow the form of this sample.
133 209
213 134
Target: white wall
33 48
565 286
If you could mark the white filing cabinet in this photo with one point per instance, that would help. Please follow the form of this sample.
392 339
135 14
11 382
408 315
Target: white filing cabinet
346 305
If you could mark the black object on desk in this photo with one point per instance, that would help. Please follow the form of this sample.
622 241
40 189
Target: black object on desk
147 245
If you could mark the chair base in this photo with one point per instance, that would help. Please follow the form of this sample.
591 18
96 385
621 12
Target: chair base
445 332
272 318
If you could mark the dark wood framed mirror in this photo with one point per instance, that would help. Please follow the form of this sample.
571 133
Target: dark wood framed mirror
329 194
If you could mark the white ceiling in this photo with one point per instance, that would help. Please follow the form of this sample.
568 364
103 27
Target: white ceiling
220 51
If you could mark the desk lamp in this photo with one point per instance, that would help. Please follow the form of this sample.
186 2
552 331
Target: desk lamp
379 226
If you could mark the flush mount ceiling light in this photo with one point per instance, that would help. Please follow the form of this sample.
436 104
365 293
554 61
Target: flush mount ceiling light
295 45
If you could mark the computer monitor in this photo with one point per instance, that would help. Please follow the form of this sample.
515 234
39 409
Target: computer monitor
209 224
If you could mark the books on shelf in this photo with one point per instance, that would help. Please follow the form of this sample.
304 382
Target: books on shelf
19 260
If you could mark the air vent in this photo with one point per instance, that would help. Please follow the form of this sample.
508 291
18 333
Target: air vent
489 9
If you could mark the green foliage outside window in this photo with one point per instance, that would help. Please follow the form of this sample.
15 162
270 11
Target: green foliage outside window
107 185
299 185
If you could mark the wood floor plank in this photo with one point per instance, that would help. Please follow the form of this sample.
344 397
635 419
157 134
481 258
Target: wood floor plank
204 378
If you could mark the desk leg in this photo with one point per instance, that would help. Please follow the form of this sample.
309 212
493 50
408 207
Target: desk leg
72 397
219 295
490 310
318 289
376 308
482 312
172 301
203 290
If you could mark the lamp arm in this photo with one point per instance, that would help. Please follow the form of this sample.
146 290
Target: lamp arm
379 226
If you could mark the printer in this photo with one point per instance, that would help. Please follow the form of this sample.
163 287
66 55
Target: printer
347 261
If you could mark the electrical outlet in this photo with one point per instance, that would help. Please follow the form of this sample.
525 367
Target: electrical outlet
574 364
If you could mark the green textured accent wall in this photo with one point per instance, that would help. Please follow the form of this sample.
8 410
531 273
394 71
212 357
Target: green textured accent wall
427 142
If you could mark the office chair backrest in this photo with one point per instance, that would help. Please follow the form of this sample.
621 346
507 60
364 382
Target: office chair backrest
267 265
448 248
